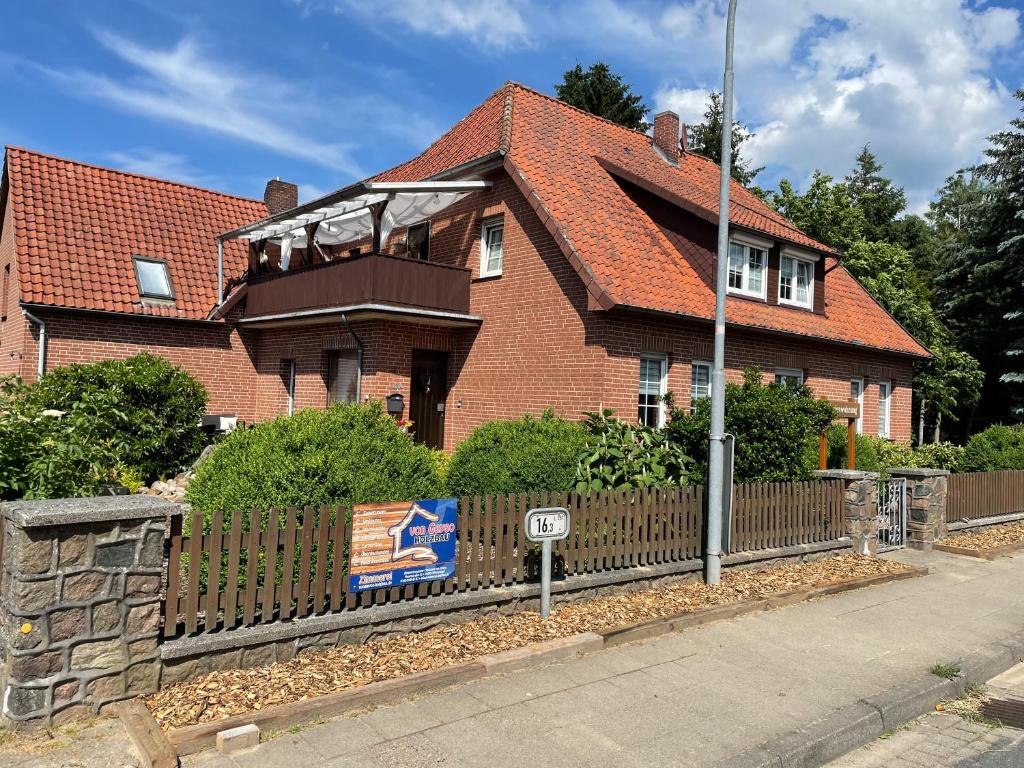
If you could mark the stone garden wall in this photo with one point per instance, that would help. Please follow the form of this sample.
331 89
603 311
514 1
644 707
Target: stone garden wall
79 603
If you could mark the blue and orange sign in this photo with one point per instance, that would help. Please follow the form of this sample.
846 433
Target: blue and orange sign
402 543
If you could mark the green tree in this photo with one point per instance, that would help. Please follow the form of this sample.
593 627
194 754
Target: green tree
825 211
706 139
878 197
601 92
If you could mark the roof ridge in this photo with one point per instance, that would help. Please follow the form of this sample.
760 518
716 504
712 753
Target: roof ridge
505 142
133 174
567 105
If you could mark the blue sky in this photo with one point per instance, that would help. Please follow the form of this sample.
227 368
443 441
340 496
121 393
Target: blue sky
228 94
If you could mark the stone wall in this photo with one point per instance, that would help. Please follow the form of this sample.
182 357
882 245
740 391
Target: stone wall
79 603
860 508
926 505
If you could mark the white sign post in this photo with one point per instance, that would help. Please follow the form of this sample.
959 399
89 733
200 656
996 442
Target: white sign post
546 524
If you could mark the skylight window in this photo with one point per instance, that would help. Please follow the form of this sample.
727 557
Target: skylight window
153 278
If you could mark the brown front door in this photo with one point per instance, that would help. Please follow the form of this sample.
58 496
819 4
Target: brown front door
427 395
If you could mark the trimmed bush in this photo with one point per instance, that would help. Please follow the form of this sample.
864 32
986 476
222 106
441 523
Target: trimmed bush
114 421
347 454
998 447
619 454
878 454
773 425
940 456
528 454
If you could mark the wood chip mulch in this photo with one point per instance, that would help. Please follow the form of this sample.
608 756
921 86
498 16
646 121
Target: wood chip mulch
221 694
989 538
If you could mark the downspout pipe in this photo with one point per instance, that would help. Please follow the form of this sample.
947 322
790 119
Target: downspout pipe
41 357
220 271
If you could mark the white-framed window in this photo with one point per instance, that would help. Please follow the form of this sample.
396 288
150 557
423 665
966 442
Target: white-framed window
492 247
857 393
153 278
884 407
288 374
789 377
748 266
653 386
700 380
343 376
796 281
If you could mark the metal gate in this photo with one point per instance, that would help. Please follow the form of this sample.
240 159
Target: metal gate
892 514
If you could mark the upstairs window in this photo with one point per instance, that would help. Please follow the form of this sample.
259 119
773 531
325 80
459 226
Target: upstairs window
796 282
747 266
153 278
492 248
417 241
700 381
653 386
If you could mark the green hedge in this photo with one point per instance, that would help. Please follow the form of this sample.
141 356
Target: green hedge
347 454
527 454
998 447
85 425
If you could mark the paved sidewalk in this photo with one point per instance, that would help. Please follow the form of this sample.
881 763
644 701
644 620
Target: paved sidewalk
694 698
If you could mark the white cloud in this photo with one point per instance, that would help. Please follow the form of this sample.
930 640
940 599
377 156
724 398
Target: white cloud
162 165
689 103
489 24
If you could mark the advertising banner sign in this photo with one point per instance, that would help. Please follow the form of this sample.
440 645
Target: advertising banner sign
402 543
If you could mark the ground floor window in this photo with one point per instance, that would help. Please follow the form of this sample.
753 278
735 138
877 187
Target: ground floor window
700 381
790 377
343 376
884 407
288 377
653 386
857 393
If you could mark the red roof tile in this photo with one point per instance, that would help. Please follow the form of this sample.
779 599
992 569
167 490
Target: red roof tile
77 227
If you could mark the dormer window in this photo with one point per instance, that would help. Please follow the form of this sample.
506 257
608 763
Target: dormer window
153 278
796 281
748 264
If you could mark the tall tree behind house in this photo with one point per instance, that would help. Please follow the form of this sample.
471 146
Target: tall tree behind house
602 92
705 139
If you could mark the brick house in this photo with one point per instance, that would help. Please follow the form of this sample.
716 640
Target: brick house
534 256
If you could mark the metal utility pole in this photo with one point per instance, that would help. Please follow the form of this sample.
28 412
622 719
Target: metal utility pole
716 447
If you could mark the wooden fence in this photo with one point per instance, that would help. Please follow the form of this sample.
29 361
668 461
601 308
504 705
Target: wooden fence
975 495
260 567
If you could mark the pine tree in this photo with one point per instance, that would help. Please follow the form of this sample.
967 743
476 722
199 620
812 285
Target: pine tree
706 139
601 92
878 197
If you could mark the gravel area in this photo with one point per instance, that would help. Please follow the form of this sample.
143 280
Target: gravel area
989 538
222 694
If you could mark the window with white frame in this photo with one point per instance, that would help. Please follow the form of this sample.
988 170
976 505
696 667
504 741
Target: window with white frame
153 278
796 281
288 375
789 377
492 247
857 393
700 380
884 407
747 266
653 386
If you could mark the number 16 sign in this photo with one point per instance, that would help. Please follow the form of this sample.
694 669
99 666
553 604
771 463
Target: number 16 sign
545 525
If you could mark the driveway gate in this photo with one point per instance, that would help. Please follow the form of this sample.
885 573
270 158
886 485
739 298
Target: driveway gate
892 514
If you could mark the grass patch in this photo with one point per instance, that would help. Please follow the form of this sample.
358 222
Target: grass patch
968 706
946 671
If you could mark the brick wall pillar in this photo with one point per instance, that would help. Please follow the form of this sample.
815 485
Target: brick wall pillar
79 603
926 505
861 507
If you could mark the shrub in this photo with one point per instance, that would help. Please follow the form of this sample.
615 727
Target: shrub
878 454
773 425
998 447
939 456
107 422
347 454
622 455
867 446
527 454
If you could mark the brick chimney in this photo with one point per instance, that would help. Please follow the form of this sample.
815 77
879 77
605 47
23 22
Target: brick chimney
666 134
280 196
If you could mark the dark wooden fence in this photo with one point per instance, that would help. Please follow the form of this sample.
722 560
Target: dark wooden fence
259 567
975 495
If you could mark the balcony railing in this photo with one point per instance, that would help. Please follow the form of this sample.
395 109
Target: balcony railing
372 280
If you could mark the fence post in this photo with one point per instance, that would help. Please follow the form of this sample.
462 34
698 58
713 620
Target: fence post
926 505
860 507
79 603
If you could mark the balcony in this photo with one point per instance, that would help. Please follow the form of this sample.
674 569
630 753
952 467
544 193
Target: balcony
362 287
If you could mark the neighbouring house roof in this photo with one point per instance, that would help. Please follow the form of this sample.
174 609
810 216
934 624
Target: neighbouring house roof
77 227
566 161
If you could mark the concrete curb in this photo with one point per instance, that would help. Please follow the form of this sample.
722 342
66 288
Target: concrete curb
985 554
865 720
145 733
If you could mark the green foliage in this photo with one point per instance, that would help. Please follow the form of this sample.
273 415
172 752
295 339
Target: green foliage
880 200
601 92
939 456
998 447
347 454
706 139
773 425
114 421
878 454
527 454
623 455
825 211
